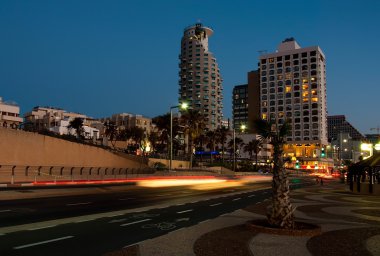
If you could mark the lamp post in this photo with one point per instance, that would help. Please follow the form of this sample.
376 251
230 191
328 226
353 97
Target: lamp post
182 106
242 128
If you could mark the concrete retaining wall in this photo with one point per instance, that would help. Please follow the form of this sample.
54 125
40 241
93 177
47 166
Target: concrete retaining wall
25 148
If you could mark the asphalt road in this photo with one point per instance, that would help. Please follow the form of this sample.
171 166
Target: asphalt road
171 209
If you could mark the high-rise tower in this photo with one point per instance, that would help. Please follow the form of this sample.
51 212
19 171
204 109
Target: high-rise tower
293 88
200 83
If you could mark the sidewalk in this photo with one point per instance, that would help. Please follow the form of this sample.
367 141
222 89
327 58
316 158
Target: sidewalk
350 226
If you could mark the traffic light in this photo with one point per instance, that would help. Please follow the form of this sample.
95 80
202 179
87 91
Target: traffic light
297 164
323 154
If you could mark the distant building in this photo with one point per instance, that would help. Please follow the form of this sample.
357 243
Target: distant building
200 83
126 120
46 118
373 138
246 102
9 115
338 124
240 105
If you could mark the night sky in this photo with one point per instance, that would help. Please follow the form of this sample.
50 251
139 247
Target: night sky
106 57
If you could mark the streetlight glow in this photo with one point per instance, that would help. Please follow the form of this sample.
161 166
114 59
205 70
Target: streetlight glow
184 105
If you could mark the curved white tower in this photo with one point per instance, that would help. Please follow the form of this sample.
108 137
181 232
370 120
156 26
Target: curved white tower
200 83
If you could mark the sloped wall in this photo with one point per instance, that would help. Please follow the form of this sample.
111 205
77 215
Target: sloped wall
26 148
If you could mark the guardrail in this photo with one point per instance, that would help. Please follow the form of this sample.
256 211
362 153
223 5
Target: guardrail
27 173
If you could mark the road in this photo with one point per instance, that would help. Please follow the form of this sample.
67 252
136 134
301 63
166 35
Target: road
98 223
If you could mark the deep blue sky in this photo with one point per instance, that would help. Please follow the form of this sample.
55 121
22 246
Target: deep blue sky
105 57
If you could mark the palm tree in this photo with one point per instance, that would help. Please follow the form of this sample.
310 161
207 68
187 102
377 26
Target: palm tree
238 144
222 134
194 127
77 125
280 212
162 123
212 137
111 132
254 146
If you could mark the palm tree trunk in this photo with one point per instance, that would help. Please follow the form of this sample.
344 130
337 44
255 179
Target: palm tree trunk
256 161
280 212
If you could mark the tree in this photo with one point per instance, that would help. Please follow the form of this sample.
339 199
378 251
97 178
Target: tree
162 123
212 137
111 132
222 134
238 144
77 125
254 146
194 127
280 212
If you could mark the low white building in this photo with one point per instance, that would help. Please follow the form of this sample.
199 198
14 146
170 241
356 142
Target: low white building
9 115
61 128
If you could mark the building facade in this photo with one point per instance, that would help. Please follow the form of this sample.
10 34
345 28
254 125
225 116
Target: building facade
293 88
44 118
338 124
240 105
200 83
9 115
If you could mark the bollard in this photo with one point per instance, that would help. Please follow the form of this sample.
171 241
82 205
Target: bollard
51 170
27 170
113 173
71 173
61 172
13 175
126 173
81 171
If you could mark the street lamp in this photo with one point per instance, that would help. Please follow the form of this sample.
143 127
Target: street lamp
183 106
242 128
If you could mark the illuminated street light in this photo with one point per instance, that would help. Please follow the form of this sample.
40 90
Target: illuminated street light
242 128
182 106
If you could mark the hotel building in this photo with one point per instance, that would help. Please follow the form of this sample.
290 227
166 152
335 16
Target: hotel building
200 83
293 88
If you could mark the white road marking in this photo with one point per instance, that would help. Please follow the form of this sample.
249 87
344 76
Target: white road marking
119 220
43 242
131 223
251 196
5 210
85 220
236 199
78 204
186 211
31 229
215 204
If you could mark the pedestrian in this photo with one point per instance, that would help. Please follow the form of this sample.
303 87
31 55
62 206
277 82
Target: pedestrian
321 182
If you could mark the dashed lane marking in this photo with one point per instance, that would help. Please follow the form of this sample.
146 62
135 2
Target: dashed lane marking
42 242
215 204
5 210
236 199
190 210
251 196
135 222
